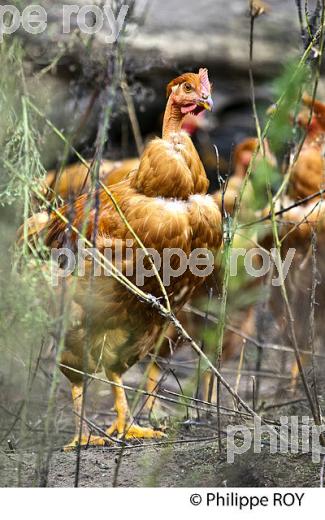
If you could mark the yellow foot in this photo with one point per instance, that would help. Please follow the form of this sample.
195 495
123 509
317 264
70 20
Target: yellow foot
86 440
134 431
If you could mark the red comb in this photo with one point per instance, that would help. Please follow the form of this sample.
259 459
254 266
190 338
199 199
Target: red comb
203 75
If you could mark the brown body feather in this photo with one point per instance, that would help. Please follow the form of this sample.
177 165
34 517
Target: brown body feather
166 204
75 180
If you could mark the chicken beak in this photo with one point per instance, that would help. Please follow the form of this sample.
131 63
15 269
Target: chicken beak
207 103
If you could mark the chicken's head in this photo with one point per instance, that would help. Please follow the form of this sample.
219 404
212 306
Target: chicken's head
191 92
244 152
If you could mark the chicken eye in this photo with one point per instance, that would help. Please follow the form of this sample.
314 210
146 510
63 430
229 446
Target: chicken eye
187 87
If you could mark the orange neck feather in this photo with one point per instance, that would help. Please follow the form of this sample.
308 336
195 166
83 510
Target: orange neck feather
173 119
170 167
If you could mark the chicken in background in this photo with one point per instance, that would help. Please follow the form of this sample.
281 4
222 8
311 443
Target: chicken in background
109 327
74 180
296 228
306 178
308 173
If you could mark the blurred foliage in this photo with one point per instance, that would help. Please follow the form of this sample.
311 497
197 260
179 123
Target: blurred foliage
265 175
25 296
290 84
20 162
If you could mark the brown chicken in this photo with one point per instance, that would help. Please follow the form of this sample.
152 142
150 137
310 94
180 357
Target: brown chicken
306 178
296 227
308 172
166 204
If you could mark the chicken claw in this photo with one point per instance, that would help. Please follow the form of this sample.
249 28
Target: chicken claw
134 431
85 440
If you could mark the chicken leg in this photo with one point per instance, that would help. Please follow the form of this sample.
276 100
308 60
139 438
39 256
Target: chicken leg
124 425
153 379
86 438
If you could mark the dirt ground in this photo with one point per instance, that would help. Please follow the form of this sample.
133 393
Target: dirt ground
188 457
179 464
